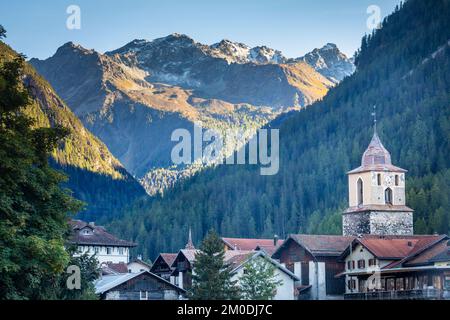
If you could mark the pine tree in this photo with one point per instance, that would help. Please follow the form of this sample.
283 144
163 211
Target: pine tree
33 207
211 277
259 281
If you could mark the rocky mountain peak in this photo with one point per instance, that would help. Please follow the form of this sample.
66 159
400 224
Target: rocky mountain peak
70 47
330 62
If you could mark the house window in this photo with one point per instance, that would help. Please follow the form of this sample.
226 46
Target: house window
388 196
120 250
352 284
108 250
447 283
143 295
96 249
360 191
361 264
372 262
379 179
396 180
349 265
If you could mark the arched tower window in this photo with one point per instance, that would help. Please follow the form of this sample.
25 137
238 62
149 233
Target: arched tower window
360 192
396 180
379 179
388 196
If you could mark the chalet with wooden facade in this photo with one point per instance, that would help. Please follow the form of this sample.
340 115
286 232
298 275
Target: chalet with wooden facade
314 260
137 286
163 265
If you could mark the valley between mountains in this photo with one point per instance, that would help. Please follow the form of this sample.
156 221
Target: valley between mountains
134 97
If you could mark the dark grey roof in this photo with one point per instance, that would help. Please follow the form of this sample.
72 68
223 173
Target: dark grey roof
98 236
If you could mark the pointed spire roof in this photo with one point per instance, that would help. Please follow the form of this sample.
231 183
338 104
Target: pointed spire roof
376 153
376 158
190 244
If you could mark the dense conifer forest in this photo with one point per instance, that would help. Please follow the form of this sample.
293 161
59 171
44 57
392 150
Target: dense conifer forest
403 69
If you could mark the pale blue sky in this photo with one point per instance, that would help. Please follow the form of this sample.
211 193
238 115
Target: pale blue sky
38 28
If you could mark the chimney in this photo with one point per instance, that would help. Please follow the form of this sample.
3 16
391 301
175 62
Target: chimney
92 224
275 240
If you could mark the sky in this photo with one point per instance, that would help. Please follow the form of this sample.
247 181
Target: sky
295 27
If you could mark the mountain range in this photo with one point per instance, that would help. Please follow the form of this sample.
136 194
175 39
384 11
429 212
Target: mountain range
134 97
402 68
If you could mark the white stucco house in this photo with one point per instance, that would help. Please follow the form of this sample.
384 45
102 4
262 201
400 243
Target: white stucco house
287 287
95 240
138 265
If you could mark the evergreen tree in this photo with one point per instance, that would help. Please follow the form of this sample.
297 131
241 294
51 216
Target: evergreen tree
259 281
89 270
33 207
211 277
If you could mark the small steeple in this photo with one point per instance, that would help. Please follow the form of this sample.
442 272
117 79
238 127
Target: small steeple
190 244
374 115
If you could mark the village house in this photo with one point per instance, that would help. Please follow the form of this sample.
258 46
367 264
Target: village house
314 260
95 240
286 290
398 267
163 266
138 265
238 253
137 286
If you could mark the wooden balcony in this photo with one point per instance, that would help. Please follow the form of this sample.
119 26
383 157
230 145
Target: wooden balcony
418 294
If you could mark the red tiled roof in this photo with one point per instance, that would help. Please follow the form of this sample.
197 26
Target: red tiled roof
431 254
323 244
234 260
98 236
396 247
118 267
270 250
250 244
189 254
169 258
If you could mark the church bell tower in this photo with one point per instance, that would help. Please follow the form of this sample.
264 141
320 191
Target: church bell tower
377 199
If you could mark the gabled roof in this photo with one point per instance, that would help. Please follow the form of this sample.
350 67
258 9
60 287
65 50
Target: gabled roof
239 261
108 282
318 245
189 254
420 256
250 244
392 247
438 251
98 237
168 258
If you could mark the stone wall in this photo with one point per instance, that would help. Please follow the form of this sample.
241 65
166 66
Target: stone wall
354 224
377 223
391 223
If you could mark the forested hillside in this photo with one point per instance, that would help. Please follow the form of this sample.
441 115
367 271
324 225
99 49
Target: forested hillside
95 176
403 68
